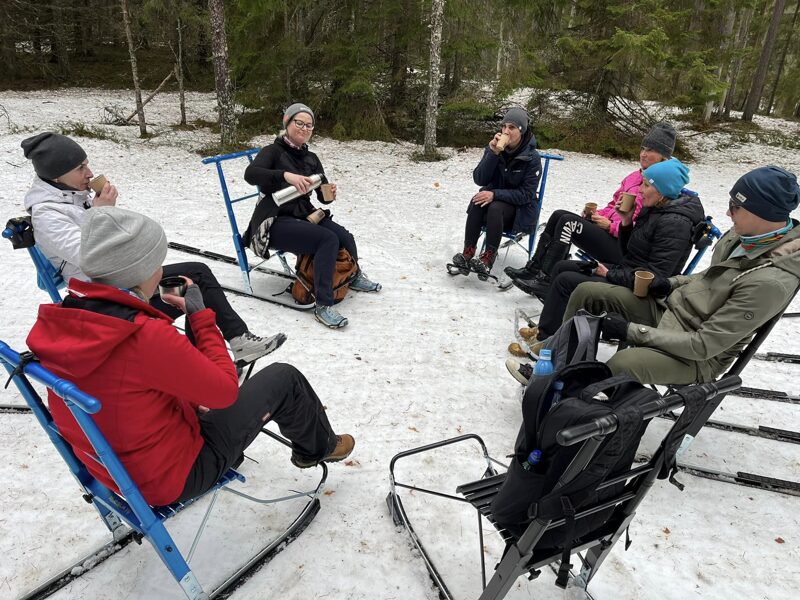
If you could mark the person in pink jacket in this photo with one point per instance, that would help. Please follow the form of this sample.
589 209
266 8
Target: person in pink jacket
596 234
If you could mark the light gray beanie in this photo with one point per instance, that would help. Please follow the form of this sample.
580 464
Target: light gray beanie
120 247
294 110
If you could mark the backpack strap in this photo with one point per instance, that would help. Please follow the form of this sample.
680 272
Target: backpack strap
569 533
675 437
584 337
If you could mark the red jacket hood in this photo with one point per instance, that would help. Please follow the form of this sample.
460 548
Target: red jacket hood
61 333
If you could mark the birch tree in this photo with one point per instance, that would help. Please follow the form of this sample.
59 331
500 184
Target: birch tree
437 13
134 69
222 77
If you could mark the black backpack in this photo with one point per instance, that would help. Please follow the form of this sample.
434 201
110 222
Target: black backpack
534 494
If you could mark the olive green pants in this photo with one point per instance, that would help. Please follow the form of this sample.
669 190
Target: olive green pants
645 365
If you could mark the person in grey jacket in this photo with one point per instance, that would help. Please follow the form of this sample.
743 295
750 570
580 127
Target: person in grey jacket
508 199
705 320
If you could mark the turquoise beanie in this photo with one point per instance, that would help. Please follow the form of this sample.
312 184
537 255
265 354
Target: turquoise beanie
668 177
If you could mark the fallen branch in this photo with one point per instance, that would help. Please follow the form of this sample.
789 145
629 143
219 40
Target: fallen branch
169 76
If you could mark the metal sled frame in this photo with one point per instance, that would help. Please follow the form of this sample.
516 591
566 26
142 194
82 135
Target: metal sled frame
516 239
521 557
241 255
127 515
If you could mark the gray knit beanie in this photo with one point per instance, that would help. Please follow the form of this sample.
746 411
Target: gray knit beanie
661 138
295 109
518 117
52 154
120 247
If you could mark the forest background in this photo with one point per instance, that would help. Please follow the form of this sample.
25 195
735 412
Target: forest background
600 71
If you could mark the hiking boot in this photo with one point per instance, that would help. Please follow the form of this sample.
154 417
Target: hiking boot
330 317
517 350
536 286
344 446
362 283
529 333
483 265
461 260
249 347
521 372
536 347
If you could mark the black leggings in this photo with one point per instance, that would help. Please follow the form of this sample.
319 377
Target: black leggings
497 216
284 393
323 240
565 228
565 278
229 322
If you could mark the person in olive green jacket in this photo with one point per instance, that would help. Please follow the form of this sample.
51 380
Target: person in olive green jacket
691 328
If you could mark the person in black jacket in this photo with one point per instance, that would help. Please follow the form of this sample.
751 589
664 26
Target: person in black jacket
660 242
288 162
507 200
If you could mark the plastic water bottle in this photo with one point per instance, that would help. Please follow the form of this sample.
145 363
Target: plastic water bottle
558 387
544 366
533 459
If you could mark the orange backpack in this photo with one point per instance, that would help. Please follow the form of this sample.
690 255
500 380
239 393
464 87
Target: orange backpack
343 273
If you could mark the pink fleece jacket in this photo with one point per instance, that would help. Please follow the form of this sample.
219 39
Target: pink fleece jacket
631 185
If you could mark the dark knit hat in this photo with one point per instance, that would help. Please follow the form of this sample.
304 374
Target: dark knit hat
518 117
120 247
661 138
296 109
669 177
768 192
52 154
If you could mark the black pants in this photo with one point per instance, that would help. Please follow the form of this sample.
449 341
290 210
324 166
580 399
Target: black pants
229 322
565 278
280 390
322 240
566 228
497 216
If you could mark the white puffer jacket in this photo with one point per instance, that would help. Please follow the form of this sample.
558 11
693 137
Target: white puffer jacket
57 216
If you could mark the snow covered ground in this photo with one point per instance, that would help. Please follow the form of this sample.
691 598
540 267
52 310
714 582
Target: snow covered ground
419 362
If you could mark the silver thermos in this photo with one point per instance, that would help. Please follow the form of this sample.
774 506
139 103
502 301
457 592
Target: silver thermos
290 193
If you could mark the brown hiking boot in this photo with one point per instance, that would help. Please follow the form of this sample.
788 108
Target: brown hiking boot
537 347
517 350
344 446
529 333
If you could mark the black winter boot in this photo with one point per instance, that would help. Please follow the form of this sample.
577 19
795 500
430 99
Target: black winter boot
461 260
483 265
533 266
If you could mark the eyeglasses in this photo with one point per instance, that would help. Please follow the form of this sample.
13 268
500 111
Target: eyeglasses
303 125
734 204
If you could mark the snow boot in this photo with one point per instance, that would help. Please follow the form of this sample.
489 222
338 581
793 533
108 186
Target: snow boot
533 266
483 265
461 260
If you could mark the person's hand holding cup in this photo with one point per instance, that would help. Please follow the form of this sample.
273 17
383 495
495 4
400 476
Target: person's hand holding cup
328 192
641 283
105 193
625 202
172 290
589 209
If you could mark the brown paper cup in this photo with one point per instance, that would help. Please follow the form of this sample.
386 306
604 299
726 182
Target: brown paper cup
590 208
327 192
642 282
97 183
316 216
627 202
501 143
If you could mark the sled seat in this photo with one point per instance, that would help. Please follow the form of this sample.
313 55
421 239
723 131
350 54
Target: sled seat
126 514
19 232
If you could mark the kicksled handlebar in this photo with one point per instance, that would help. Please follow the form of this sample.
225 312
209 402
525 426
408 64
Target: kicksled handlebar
608 423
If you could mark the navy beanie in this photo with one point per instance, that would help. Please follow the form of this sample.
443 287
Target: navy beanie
52 154
518 117
669 177
768 192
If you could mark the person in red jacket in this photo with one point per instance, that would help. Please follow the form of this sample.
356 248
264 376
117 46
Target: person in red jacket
173 412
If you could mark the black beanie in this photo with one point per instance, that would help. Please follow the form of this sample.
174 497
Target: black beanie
661 138
768 192
52 154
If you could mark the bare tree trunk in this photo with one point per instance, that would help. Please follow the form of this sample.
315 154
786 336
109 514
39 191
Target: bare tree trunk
222 77
179 73
437 13
726 22
754 97
736 64
499 52
783 58
134 69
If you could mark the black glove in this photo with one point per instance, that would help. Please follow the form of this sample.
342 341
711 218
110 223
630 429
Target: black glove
614 327
194 299
660 287
587 266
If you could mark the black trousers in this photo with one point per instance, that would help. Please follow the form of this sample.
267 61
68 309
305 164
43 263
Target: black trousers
229 322
280 390
566 228
497 216
323 240
564 279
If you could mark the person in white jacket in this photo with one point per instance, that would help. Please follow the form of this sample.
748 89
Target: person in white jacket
58 201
